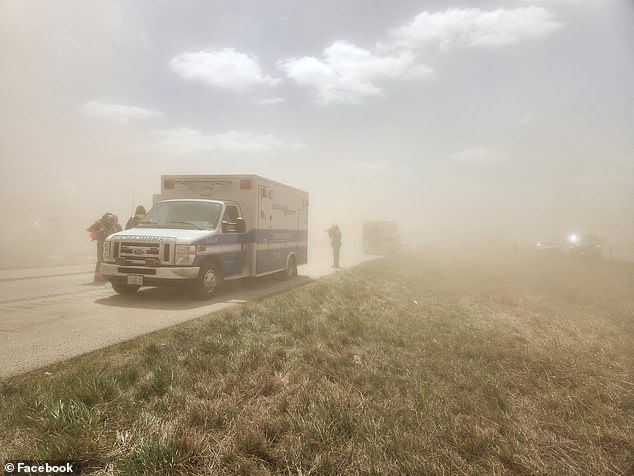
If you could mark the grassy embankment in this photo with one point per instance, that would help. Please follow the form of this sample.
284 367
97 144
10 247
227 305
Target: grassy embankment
413 365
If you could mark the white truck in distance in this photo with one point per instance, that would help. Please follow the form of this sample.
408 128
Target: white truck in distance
380 237
204 229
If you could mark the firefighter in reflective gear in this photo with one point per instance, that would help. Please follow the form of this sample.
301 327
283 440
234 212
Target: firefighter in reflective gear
99 230
135 219
335 240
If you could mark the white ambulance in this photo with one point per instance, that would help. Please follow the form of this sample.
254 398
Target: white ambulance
204 229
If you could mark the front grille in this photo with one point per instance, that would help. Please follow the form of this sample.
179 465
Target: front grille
138 252
139 249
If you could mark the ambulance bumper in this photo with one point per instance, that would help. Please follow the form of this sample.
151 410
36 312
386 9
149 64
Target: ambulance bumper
150 275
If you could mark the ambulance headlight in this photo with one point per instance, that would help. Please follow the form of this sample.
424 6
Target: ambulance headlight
106 250
185 254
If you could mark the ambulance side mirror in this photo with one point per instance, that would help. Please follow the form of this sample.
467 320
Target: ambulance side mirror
238 227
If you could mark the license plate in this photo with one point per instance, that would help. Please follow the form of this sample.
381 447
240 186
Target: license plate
135 279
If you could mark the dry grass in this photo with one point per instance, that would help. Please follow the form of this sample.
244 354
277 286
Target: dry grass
418 364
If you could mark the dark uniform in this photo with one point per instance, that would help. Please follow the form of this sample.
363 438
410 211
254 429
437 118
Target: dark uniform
335 239
99 230
135 219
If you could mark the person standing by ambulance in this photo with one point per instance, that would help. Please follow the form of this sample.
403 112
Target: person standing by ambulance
99 230
335 240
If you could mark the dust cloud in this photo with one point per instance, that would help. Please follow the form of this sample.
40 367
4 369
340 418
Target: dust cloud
487 144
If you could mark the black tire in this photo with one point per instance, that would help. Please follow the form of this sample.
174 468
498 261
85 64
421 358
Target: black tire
208 281
291 268
123 288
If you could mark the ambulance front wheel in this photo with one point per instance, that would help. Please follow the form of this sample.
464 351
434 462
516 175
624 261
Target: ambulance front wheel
123 288
209 279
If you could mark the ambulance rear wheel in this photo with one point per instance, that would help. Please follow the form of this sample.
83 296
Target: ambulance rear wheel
123 288
209 279
291 268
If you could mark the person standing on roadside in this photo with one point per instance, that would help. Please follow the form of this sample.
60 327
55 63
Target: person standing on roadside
99 230
335 240
135 219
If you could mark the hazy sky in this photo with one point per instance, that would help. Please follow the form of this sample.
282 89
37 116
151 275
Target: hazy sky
510 117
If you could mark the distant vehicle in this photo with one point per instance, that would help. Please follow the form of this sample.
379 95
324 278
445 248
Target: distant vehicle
380 237
204 229
587 245
547 247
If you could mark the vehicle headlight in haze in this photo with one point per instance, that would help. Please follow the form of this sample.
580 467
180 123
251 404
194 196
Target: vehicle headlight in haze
573 238
185 254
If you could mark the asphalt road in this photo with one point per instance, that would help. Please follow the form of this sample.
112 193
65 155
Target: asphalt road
51 314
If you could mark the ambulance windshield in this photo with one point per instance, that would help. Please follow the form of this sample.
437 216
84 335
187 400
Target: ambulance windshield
201 215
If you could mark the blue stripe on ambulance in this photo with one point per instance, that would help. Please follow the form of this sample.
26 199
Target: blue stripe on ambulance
273 246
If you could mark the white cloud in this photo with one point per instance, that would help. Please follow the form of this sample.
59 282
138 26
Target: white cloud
478 154
272 101
117 112
472 27
347 74
226 69
189 141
